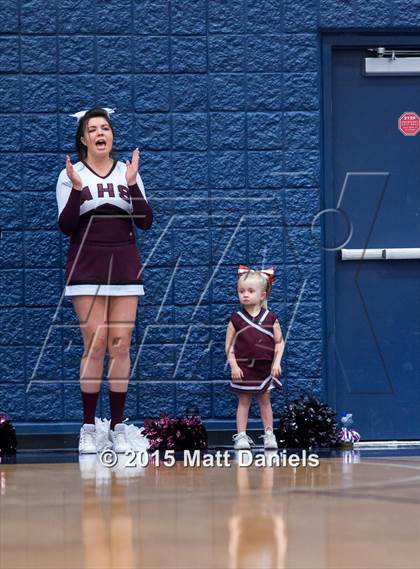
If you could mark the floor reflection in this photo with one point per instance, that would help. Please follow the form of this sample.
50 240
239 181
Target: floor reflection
257 533
351 511
106 520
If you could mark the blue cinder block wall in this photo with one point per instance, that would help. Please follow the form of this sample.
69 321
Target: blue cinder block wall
223 99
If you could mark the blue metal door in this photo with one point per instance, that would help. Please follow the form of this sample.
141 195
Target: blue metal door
374 200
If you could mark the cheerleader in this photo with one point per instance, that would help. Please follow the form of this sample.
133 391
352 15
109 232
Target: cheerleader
100 200
254 347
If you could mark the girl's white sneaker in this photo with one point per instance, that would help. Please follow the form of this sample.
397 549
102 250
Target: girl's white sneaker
241 441
270 442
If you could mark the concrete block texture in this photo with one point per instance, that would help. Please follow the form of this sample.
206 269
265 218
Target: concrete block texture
223 99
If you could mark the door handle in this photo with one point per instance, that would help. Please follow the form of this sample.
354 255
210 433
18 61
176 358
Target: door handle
386 254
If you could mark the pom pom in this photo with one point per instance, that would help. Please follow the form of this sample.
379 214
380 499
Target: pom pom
307 422
8 442
167 433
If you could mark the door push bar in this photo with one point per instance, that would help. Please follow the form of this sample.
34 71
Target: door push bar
380 254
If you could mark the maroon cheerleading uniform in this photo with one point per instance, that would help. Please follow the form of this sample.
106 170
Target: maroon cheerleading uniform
253 346
103 258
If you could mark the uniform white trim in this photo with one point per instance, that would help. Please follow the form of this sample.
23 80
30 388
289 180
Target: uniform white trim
250 387
273 381
263 317
104 290
260 328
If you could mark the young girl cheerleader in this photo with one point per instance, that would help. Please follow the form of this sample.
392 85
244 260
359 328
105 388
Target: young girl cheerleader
254 348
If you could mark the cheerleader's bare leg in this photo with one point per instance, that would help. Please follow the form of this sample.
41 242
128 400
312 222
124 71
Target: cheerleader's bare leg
242 411
121 321
92 315
266 409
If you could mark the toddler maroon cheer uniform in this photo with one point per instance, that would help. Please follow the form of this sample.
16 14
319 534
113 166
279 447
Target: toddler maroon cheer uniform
103 258
254 351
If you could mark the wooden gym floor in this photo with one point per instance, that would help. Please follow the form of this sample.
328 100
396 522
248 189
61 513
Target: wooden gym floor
358 509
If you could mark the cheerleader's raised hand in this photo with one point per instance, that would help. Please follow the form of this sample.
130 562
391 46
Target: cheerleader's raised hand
73 175
132 168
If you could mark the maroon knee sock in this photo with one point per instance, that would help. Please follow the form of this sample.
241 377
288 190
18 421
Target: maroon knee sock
89 401
116 404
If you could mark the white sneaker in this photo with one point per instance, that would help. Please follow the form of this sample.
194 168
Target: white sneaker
87 440
119 439
242 441
269 440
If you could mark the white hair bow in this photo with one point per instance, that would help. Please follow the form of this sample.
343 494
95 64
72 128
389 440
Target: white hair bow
81 114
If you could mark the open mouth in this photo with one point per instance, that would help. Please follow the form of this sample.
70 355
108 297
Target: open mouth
100 144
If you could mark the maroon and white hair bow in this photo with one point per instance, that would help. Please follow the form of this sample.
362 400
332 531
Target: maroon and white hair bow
269 274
